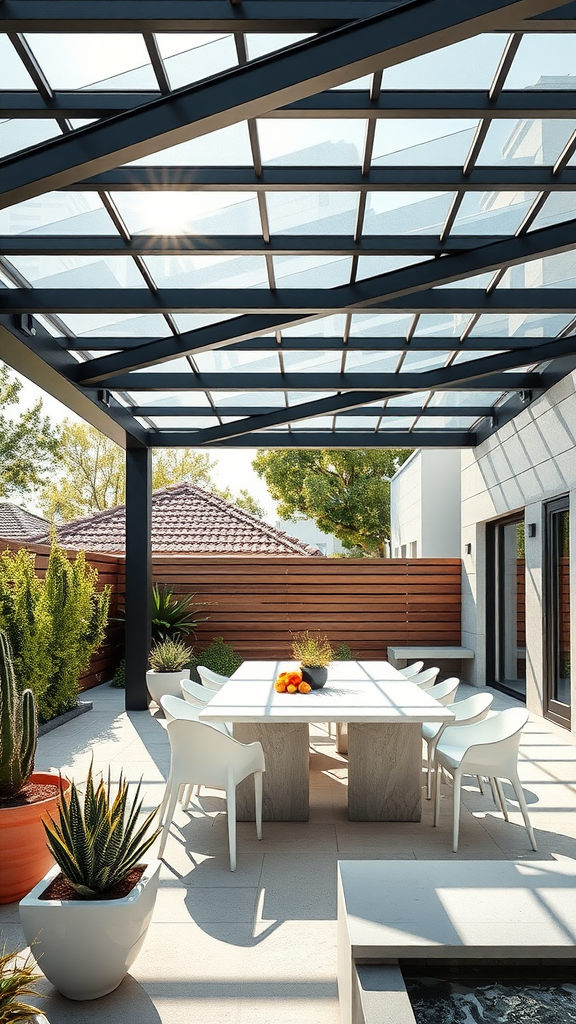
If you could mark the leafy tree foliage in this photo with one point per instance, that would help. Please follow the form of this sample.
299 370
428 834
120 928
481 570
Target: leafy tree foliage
346 493
91 474
28 441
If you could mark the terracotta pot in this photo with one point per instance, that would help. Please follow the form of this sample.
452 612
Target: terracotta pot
24 855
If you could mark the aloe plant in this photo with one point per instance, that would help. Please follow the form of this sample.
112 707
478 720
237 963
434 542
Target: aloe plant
17 979
98 843
170 656
18 727
172 616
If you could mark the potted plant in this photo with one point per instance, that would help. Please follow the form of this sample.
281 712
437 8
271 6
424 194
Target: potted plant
172 616
314 652
26 796
167 661
17 979
89 915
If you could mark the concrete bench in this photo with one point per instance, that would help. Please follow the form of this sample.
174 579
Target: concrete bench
400 656
391 912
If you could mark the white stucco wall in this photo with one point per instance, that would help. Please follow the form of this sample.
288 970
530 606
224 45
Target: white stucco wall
425 505
530 461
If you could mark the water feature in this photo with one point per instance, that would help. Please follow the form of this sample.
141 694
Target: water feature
449 993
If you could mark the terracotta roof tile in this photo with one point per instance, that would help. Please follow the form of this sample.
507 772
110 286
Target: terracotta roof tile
17 523
185 520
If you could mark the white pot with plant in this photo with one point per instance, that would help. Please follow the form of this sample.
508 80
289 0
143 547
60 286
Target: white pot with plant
18 980
88 917
167 667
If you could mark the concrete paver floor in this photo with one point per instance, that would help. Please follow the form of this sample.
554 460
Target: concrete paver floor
258 946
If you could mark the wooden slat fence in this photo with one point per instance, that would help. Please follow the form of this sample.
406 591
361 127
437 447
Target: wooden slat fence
367 603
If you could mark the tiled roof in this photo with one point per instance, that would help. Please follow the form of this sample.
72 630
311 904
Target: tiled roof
18 524
185 520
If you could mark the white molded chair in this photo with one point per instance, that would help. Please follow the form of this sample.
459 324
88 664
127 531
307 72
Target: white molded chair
487 748
412 670
472 709
202 755
176 707
425 679
213 680
195 694
444 692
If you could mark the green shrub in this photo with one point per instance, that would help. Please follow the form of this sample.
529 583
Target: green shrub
119 678
218 656
54 625
344 653
170 656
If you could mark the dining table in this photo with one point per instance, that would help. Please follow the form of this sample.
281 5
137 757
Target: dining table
382 712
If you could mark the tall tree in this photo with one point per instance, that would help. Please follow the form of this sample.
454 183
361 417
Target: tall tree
28 441
90 474
346 493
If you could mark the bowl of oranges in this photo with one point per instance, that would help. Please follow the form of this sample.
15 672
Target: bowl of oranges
291 682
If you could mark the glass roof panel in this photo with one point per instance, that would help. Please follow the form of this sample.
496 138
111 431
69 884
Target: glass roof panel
80 271
226 147
416 399
199 58
544 59
312 213
520 325
311 142
189 213
221 361
176 399
322 327
181 422
547 272
109 325
25 132
371 362
420 361
199 271
492 213
260 43
406 213
445 325
356 422
84 61
312 362
58 213
194 321
311 271
478 281
470 64
173 366
380 325
451 422
525 143
370 266
559 206
314 423
422 142
464 398
260 399
14 74
395 423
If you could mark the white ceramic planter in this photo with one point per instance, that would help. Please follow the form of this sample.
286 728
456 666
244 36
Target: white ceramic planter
161 683
85 947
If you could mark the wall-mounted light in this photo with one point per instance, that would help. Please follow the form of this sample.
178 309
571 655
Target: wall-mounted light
531 529
468 549
27 325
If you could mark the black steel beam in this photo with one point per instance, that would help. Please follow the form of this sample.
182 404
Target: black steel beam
369 411
294 303
320 344
340 103
404 382
113 16
327 179
251 90
138 599
239 245
326 439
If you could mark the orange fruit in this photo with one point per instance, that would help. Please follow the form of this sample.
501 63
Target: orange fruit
304 687
291 688
280 685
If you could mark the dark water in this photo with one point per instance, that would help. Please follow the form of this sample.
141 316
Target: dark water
530 997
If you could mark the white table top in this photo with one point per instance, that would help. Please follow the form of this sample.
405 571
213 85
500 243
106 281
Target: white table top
356 691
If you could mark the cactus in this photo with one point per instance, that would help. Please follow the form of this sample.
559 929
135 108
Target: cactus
18 727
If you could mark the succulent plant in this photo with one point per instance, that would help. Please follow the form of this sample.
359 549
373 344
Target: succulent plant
17 979
96 845
18 727
170 656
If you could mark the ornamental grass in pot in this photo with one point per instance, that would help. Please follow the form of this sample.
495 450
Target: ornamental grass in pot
89 915
168 661
314 652
17 980
26 796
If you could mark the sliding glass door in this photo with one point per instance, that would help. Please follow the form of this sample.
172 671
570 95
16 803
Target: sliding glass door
506 637
557 612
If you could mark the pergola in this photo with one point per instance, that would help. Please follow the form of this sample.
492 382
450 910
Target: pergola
285 224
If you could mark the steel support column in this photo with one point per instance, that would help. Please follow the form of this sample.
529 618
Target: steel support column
138 574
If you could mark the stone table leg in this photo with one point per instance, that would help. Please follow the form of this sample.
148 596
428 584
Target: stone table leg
286 779
384 771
